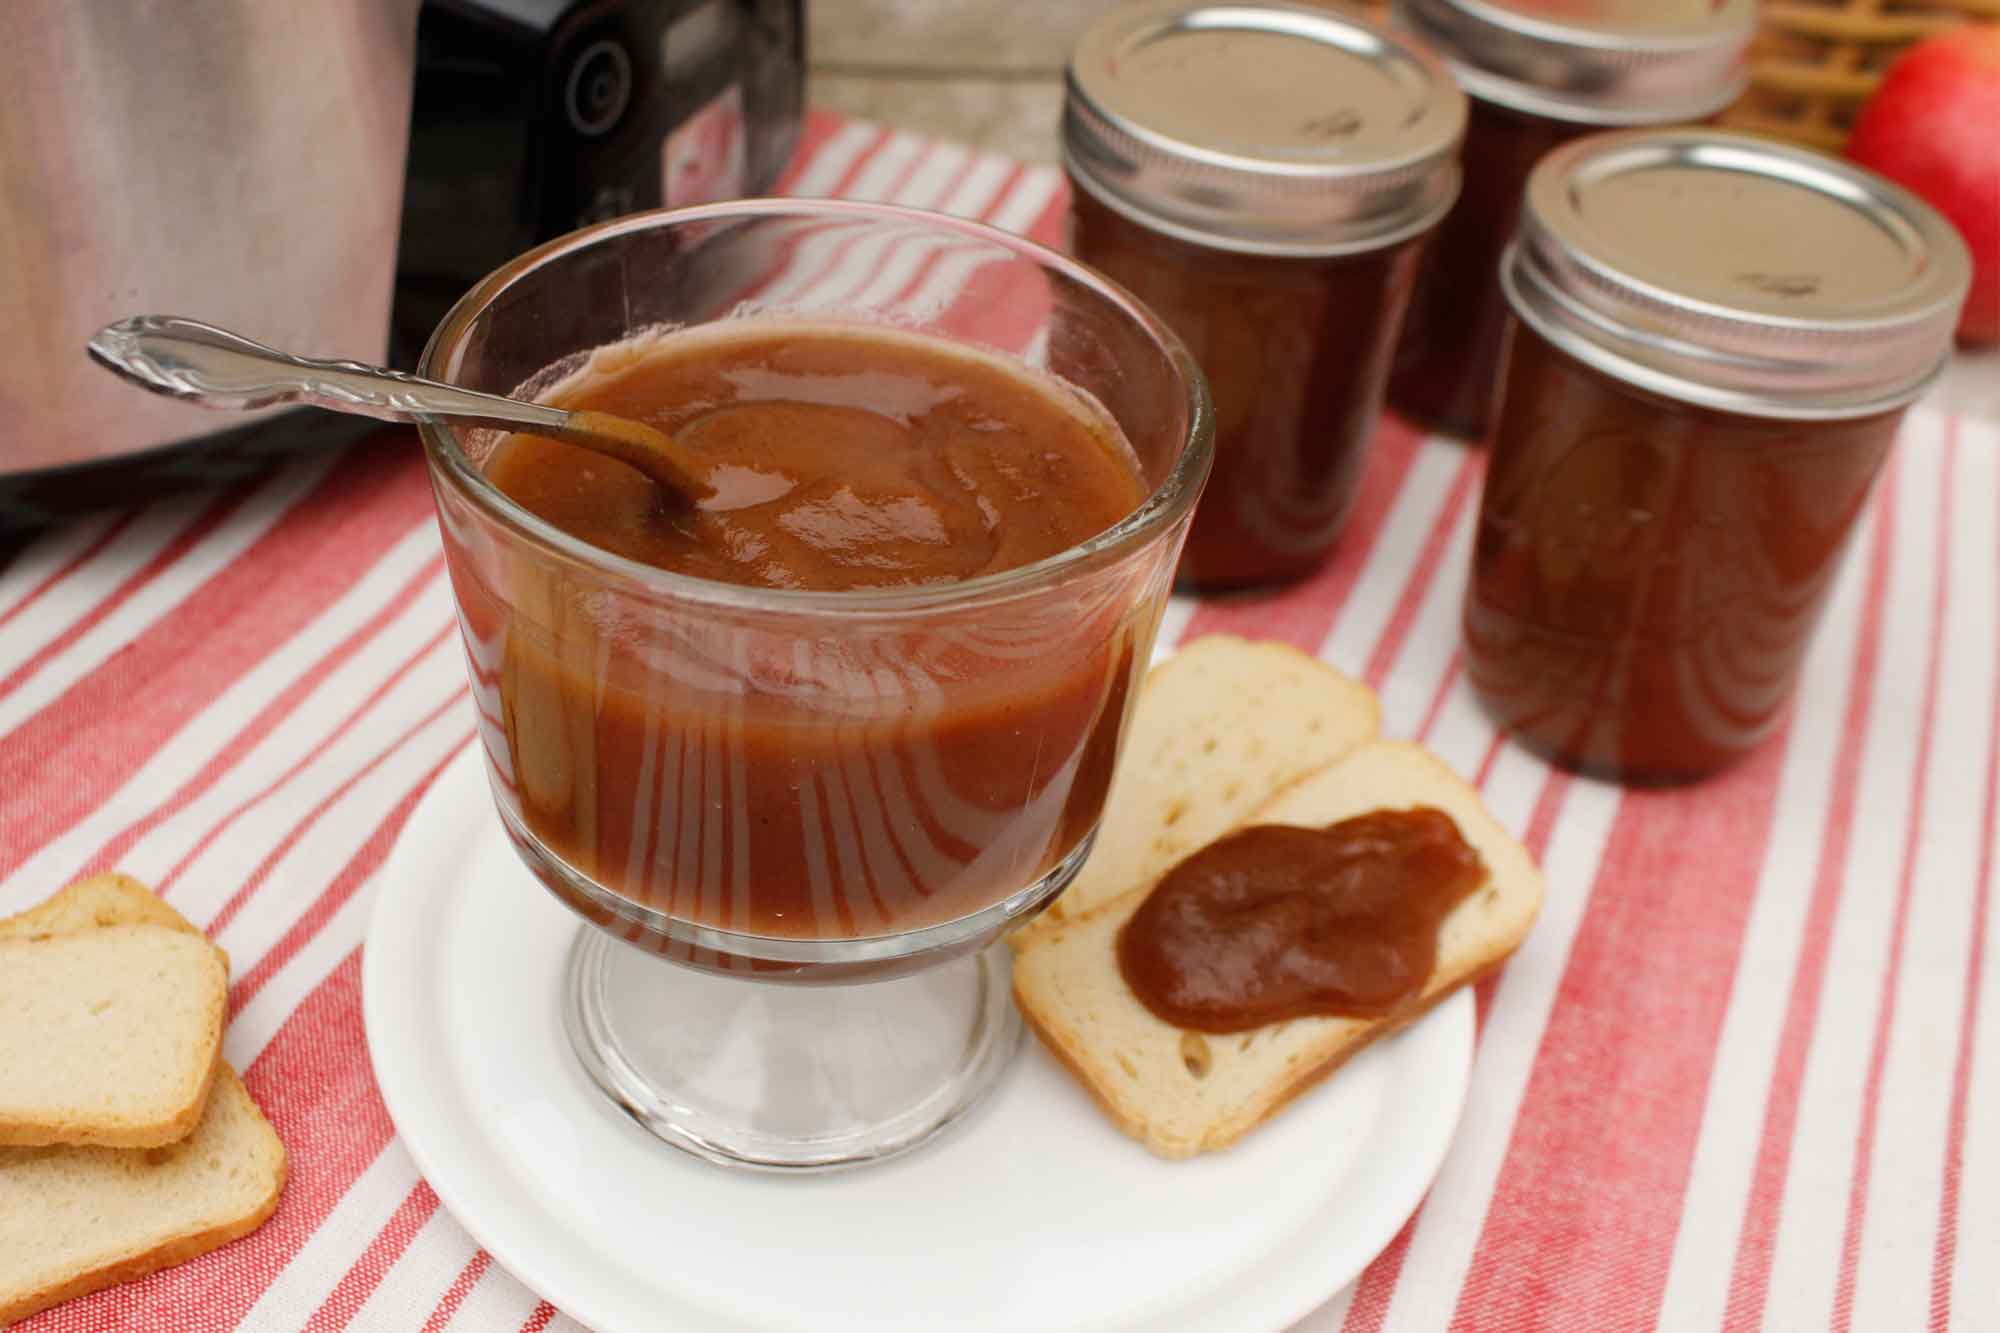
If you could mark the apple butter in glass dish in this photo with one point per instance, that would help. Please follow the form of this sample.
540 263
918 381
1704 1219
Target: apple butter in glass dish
842 458
1716 338
1538 75
1263 176
848 711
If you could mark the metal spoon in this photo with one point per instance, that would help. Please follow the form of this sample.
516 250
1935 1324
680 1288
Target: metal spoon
186 359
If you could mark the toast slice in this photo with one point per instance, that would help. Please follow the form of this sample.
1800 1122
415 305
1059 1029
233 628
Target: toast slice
1182 1093
102 900
78 1220
1218 728
108 1036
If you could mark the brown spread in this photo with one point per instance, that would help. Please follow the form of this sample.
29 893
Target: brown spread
1448 363
770 772
1296 351
1714 339
839 461
1647 573
1274 220
1275 922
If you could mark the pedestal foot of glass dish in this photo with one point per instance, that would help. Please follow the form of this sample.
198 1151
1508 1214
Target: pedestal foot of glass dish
788 1078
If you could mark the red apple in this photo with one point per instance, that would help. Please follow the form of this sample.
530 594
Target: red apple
1934 126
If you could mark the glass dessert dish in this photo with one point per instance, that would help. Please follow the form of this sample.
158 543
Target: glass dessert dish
748 790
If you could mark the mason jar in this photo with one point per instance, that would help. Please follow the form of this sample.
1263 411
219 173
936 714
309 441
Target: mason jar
1263 176
1538 76
1716 338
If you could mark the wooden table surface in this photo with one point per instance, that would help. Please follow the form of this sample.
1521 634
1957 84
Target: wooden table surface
989 73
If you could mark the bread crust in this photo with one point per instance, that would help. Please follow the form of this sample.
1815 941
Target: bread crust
41 1134
131 1269
172 1250
81 1130
110 899
1136 1125
1258 692
1388 1026
1068 988
1053 1042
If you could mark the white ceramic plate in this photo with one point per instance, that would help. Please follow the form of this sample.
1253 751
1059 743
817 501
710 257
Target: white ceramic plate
1033 1213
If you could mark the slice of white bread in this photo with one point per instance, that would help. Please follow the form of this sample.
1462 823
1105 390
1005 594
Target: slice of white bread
102 900
109 1035
1218 727
77 1220
1182 1093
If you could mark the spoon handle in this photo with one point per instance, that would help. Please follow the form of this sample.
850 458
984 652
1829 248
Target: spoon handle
199 363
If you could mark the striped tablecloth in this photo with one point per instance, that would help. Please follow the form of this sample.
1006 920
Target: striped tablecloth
1744 1073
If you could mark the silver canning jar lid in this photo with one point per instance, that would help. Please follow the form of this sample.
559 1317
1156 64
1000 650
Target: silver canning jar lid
1271 128
1603 62
1736 273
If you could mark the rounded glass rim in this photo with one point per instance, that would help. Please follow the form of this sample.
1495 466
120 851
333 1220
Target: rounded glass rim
1165 504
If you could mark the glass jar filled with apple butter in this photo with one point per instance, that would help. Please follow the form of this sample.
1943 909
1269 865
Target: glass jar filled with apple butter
1263 176
1716 338
1538 75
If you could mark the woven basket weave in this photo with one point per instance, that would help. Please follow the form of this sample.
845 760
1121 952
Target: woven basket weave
1814 62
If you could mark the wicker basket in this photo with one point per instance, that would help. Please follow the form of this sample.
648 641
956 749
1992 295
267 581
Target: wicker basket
1814 62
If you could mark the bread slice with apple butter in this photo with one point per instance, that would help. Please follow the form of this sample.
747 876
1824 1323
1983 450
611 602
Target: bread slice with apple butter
1197 1004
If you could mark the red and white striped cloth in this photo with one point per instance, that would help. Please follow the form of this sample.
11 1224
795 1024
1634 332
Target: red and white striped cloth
1745 1073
